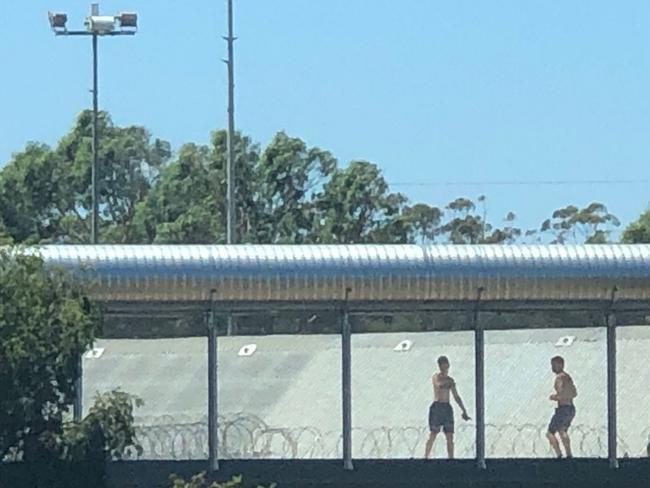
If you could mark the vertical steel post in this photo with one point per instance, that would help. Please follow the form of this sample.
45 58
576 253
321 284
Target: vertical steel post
479 378
94 238
346 370
231 237
611 390
213 411
231 208
77 409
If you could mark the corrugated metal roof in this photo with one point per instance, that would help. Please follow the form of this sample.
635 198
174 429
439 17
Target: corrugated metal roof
284 400
372 273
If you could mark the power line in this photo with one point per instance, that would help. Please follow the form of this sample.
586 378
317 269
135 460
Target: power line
522 183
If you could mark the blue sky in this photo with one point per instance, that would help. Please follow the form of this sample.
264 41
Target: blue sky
434 92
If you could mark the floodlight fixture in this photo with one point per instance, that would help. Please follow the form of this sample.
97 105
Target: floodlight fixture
57 20
127 20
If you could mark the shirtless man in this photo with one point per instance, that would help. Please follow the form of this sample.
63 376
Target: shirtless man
440 412
565 392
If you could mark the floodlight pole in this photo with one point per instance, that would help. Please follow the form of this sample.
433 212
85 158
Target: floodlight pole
60 30
95 203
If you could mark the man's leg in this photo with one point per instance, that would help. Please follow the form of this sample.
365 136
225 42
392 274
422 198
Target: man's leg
564 436
450 444
554 443
427 450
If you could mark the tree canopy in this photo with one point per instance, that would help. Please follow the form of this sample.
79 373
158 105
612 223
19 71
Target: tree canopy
45 192
286 192
592 224
639 230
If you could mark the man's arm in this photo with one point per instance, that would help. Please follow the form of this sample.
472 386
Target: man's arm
558 387
459 400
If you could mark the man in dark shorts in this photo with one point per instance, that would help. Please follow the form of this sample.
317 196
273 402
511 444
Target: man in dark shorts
441 415
565 392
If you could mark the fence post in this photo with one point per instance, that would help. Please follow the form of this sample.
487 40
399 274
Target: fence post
346 383
611 390
77 408
479 378
213 415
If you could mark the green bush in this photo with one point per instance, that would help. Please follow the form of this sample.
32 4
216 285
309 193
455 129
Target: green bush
199 481
107 432
46 323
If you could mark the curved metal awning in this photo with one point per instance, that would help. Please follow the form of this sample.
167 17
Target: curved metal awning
375 276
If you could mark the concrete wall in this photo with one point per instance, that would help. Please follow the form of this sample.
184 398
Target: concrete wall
283 401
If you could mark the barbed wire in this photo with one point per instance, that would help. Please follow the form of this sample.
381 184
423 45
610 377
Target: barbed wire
246 436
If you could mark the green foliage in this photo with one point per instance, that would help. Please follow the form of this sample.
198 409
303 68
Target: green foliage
199 481
464 226
128 163
424 222
5 238
287 175
181 207
467 224
187 204
356 206
286 193
28 194
46 322
507 234
45 193
106 432
638 231
592 224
